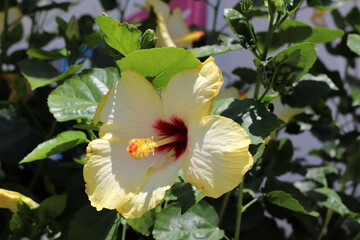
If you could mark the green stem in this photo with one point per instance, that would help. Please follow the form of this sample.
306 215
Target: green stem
328 217
123 232
92 135
223 206
249 204
258 83
216 10
268 38
239 211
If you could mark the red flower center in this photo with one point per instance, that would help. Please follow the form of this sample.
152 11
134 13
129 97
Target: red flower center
175 128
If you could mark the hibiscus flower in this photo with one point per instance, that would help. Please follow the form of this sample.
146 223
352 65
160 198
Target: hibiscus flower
146 138
10 199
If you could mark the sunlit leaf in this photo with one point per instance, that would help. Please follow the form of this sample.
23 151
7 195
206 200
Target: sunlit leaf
158 64
353 42
60 143
285 200
186 195
254 117
143 224
78 97
123 37
199 222
324 35
40 73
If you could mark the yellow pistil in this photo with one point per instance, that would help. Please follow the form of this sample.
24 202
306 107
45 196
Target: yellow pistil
139 148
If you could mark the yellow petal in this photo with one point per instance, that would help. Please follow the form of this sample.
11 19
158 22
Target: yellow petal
160 7
190 93
178 28
162 32
231 92
153 192
285 112
13 15
9 199
218 155
130 109
112 176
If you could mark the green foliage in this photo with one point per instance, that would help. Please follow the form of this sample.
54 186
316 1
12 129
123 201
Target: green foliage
353 42
122 37
158 64
200 221
253 116
58 144
77 97
40 73
226 45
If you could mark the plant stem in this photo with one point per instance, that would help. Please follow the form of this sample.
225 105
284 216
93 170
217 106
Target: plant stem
239 211
249 204
216 10
268 38
123 232
223 206
328 217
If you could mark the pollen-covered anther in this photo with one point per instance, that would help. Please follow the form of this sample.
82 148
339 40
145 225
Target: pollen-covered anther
139 148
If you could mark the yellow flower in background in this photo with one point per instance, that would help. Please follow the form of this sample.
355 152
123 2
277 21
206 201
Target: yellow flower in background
147 138
281 110
9 199
13 15
171 29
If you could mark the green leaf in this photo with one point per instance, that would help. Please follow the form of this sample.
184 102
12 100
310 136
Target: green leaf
123 37
257 121
186 195
318 174
324 35
240 26
46 55
148 39
90 224
143 224
332 201
159 64
353 42
40 73
285 200
325 4
60 143
199 222
288 66
309 90
79 96
226 45
51 208
220 105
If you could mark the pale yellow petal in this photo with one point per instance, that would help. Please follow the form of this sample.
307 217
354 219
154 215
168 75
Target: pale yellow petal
218 155
153 192
9 199
231 92
178 28
162 32
112 176
160 7
285 112
130 109
190 93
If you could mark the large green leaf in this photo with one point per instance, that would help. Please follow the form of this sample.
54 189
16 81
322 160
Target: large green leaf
199 222
186 195
324 35
288 66
325 4
79 96
123 37
90 224
143 224
158 64
227 44
60 143
309 90
285 200
257 121
46 55
40 73
353 42
240 26
51 208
